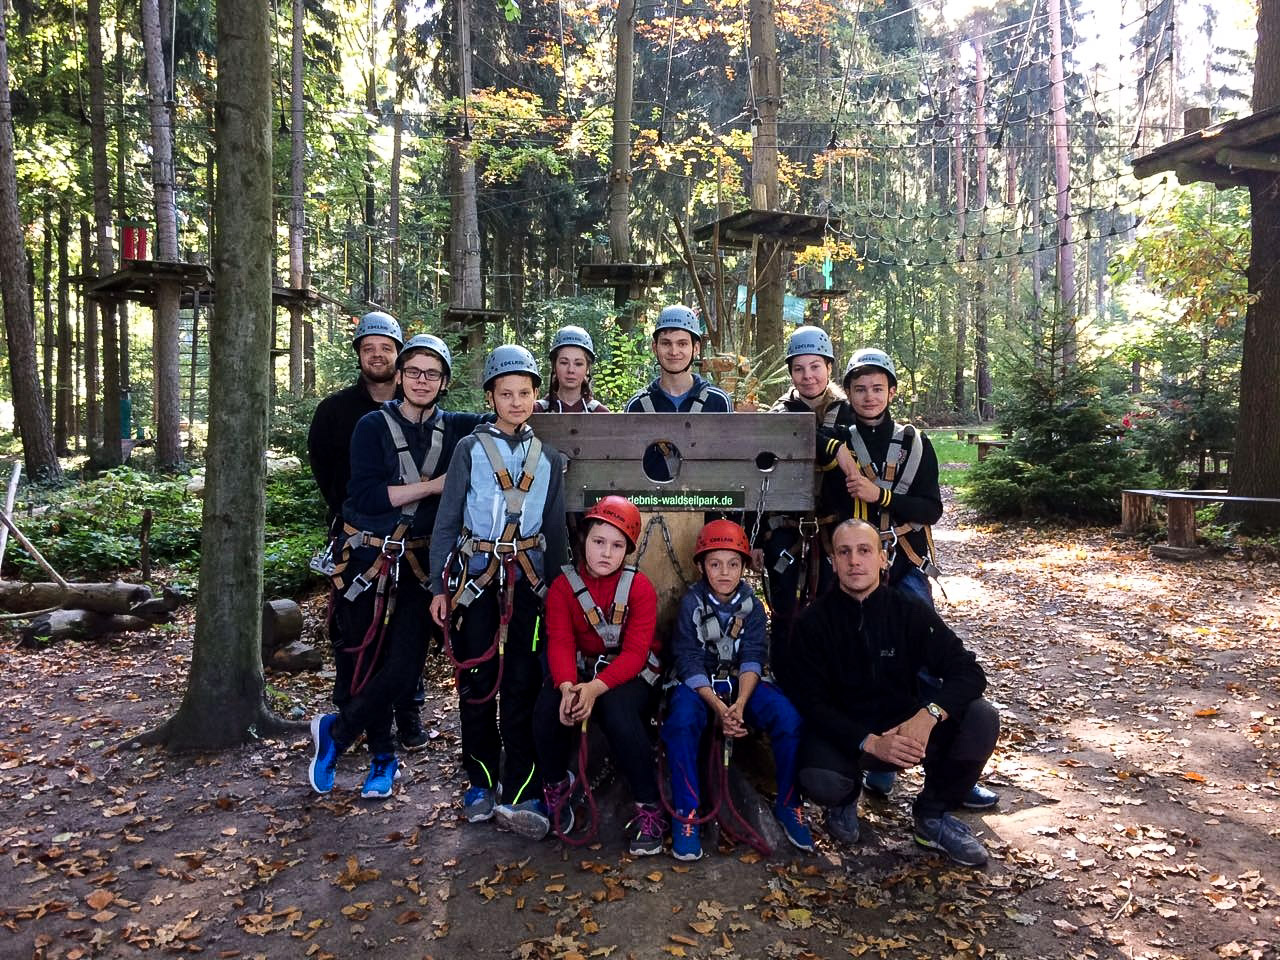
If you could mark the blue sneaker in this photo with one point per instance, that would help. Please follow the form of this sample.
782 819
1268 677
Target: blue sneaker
324 759
528 818
478 804
953 837
686 838
384 771
879 783
980 798
793 825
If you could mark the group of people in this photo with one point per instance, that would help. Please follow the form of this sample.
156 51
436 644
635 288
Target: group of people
450 528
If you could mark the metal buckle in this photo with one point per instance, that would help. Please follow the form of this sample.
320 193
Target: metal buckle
602 661
393 548
808 526
784 562
722 687
322 563
499 544
889 538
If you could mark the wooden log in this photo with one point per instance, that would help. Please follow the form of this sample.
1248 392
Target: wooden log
1182 523
58 625
117 597
1135 511
281 625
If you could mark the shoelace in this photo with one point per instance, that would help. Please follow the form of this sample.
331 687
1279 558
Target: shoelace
797 815
649 822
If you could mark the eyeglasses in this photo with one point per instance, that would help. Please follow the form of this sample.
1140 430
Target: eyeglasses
417 373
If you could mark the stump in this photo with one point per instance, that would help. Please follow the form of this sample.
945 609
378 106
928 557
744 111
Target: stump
281 625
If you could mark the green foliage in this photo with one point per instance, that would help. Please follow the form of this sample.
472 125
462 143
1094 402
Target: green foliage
1066 459
290 421
1193 259
93 531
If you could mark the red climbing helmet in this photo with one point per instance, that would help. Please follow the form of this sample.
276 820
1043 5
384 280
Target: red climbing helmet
621 513
722 535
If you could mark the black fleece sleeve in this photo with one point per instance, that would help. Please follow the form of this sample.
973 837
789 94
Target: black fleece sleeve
944 656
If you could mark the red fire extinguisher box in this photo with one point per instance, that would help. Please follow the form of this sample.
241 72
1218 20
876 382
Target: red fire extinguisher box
133 240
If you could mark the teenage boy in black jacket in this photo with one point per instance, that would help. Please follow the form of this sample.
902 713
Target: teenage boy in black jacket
859 651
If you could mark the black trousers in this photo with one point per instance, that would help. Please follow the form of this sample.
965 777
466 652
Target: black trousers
623 713
783 587
958 749
386 673
504 722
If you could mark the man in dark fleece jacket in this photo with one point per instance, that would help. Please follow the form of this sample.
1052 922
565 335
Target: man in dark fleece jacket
859 652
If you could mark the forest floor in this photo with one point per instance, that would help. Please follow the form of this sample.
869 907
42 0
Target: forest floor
1139 769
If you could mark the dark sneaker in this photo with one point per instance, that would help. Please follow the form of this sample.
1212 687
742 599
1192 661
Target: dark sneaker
953 837
558 798
324 758
793 825
645 830
980 798
384 771
409 731
478 804
528 818
686 838
879 783
842 823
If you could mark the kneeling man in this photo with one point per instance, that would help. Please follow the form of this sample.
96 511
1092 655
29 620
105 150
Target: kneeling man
859 652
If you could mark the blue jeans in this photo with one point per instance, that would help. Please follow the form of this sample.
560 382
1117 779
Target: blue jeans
687 716
915 583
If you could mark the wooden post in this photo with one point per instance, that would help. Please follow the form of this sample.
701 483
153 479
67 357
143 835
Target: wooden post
1182 523
1135 511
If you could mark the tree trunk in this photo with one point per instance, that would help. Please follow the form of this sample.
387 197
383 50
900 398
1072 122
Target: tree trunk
393 298
50 329
64 413
122 150
164 340
225 702
1062 181
110 454
89 309
959 171
297 208
767 87
464 253
620 174
39 458
981 305
1255 467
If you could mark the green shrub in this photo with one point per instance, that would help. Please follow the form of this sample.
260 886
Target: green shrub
1067 459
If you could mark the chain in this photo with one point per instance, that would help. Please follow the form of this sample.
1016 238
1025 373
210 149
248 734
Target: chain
764 493
658 520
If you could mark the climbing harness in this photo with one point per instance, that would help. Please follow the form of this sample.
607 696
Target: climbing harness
608 626
646 401
895 482
384 573
506 552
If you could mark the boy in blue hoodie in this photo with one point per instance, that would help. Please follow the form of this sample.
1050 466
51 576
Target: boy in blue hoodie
720 647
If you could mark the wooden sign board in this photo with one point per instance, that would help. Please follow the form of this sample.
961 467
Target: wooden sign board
720 461
723 458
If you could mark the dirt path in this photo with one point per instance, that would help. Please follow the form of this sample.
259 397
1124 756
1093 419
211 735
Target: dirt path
1139 769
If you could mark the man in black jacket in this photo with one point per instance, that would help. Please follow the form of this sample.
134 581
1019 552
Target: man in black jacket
377 343
859 652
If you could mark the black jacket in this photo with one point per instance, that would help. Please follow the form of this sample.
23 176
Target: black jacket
921 502
329 442
857 664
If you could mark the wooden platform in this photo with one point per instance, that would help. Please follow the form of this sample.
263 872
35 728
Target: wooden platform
138 280
795 231
625 275
468 316
1228 154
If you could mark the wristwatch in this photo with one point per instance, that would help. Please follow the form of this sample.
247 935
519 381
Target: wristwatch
934 711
